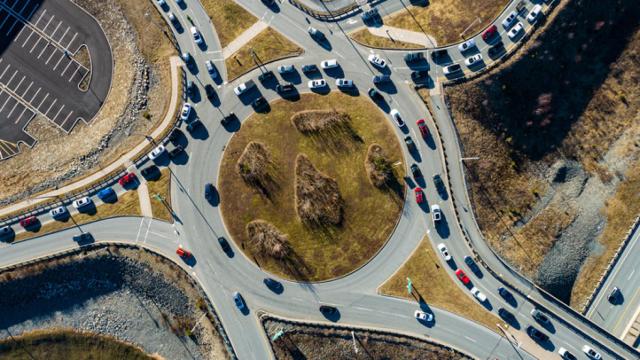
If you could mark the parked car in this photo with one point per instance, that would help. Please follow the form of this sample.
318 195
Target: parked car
436 213
419 195
506 294
273 285
422 126
210 91
439 55
540 317
409 142
260 103
176 151
565 354
496 50
515 31
462 277
127 179
490 33
444 252
478 294
197 37
211 69
239 301
329 64
423 316
150 171
266 76
285 69
413 57
451 69
328 309
106 194
376 60
285 88
185 254
536 334
242 88
344 83
155 153
28 221
5 231
58 212
194 125
185 112
82 202
315 33
317 84
226 120
509 20
591 353
419 75
534 13
191 88
395 114
374 94
473 60
467 45
440 187
161 3
379 79
469 261
415 171
186 57
506 315
311 68
614 294
224 244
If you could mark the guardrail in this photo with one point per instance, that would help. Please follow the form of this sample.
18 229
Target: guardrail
605 274
335 15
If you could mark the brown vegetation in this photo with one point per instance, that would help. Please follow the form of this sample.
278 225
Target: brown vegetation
378 166
256 169
329 128
318 199
267 239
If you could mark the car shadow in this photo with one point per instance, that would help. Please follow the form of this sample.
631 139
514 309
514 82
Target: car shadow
325 90
415 154
181 159
162 160
245 310
195 95
509 318
274 286
353 91
193 68
250 95
292 77
421 64
486 304
153 174
89 209
273 6
204 46
388 87
442 227
430 141
335 72
331 316
190 261
325 44
200 133
233 125
292 95
214 198
111 199
178 26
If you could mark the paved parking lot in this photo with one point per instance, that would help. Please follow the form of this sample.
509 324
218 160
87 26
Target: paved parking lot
38 72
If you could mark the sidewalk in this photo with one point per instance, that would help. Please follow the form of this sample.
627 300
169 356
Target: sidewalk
403 35
145 201
123 162
244 38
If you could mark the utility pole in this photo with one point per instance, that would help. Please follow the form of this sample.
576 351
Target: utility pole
353 337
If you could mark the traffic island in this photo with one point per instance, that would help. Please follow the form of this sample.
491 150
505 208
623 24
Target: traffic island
313 172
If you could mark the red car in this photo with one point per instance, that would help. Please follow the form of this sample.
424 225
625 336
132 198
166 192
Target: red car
127 178
29 221
462 276
489 33
183 253
424 130
419 195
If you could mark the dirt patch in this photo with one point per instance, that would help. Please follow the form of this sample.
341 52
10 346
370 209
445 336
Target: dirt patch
306 341
256 168
98 290
268 240
140 84
316 252
555 128
318 199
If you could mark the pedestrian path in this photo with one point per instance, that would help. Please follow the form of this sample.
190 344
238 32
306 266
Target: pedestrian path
404 35
145 202
244 38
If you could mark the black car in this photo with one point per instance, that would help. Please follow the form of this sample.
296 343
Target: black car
265 76
540 317
415 171
175 135
210 91
378 79
374 94
150 172
309 68
410 144
209 191
328 310
192 126
413 57
506 315
273 285
83 238
439 184
224 244
439 55
260 103
504 293
614 294
496 50
175 151
287 87
470 263
419 74
536 334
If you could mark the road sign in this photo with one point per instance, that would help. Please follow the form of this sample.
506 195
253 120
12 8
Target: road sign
409 285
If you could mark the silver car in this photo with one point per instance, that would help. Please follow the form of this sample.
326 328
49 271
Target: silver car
58 212
465 46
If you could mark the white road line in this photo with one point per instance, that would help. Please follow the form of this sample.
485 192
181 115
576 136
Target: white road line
56 29
26 91
66 67
19 83
40 18
470 339
15 39
45 98
74 73
12 109
58 113
5 70
28 37
24 108
34 45
43 49
34 95
5 103
50 56
65 33
50 106
630 275
67 118
12 76
58 63
139 228
147 233
12 26
73 38
48 22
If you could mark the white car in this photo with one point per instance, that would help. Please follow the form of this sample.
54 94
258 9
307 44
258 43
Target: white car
478 294
82 202
509 20
185 112
515 30
423 316
436 213
240 89
565 354
344 83
283 69
534 13
161 3
186 57
472 60
444 251
211 69
329 64
377 60
58 212
172 17
454 68
467 45
317 84
591 353
155 153
197 37
395 114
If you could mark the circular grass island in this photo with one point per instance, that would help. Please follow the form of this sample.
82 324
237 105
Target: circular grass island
312 189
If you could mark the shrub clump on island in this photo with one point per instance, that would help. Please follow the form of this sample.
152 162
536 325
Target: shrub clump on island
378 166
265 238
318 199
255 167
315 121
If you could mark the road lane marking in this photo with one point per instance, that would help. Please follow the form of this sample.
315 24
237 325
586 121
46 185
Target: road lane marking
470 339
630 275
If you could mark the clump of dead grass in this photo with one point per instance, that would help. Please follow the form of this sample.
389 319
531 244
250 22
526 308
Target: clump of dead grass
265 238
318 199
329 128
256 169
378 166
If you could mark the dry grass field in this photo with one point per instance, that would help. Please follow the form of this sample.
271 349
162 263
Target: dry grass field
161 186
322 251
229 19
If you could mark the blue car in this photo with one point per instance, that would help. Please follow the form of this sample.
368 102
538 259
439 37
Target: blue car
237 298
106 194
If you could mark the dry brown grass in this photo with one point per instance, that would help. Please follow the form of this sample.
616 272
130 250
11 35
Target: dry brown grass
445 20
229 19
161 186
432 283
256 169
268 240
313 122
318 199
318 253
269 45
378 167
366 38
621 211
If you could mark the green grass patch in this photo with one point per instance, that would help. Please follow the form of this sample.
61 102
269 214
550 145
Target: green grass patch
229 19
317 252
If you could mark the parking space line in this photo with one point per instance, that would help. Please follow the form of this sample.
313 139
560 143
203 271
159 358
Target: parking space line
44 29
24 108
74 73
12 76
43 49
50 56
50 106
66 67
34 95
19 33
58 113
40 18
34 45
25 5
5 103
26 91
58 63
5 19
28 37
55 30
73 38
12 109
19 83
12 25
45 98
67 118
5 70
65 34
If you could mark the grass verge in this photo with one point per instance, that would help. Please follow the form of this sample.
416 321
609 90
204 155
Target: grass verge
366 38
445 20
128 204
229 19
323 251
161 186
269 45
68 345
436 287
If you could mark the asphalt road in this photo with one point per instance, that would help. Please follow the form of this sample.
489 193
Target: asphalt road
198 224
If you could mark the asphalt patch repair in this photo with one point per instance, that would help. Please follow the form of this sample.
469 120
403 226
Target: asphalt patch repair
41 71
